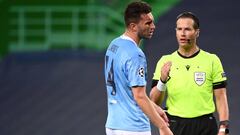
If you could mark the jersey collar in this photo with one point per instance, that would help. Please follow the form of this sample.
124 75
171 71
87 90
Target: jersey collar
195 54
128 38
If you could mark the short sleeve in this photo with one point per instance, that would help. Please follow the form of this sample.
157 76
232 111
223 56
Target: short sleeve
137 71
218 74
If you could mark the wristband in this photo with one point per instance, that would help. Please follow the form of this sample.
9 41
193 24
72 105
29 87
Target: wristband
161 86
224 130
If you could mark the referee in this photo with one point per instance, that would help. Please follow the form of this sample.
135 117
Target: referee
191 77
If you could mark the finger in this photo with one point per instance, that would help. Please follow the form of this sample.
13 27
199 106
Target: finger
165 117
168 63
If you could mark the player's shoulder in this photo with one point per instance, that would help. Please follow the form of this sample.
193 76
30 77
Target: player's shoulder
122 44
127 48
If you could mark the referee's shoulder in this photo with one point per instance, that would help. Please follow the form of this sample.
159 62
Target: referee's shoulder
168 56
209 54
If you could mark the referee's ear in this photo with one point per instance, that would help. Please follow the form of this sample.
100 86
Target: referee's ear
197 32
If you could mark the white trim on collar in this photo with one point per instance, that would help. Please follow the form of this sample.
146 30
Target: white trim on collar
128 38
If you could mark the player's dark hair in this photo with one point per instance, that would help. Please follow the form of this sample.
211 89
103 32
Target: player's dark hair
134 11
196 24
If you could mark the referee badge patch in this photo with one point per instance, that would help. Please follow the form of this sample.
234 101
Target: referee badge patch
141 72
199 78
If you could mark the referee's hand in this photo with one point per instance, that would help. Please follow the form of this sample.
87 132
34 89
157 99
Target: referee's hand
165 70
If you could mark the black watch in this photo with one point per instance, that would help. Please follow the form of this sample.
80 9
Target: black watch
226 131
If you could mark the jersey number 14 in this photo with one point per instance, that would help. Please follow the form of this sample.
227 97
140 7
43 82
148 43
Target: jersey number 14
110 76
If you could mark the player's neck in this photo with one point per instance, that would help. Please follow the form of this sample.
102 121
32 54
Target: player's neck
187 52
133 36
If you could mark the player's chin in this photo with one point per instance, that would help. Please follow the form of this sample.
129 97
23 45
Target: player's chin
148 36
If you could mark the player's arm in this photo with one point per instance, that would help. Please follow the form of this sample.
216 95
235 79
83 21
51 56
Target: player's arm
139 93
222 105
161 112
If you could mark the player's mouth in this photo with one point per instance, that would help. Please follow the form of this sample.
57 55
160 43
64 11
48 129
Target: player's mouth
151 33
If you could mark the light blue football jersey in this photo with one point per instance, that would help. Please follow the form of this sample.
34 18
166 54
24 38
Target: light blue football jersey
125 67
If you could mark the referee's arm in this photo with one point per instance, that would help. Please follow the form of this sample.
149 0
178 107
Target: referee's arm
222 104
155 95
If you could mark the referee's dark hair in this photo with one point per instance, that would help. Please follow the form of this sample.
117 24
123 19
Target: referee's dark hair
196 24
134 11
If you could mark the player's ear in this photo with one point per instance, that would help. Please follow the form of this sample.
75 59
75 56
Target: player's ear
133 27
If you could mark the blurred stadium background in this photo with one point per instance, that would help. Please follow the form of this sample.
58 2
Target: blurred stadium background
52 54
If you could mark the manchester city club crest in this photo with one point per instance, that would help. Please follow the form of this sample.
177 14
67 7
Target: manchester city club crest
199 78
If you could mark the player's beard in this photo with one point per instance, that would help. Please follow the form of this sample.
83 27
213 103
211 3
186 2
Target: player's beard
145 34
